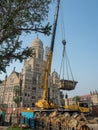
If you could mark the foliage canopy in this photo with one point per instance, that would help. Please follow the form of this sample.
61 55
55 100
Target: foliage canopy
76 98
18 17
18 98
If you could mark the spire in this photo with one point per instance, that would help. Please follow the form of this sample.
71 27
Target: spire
14 69
37 36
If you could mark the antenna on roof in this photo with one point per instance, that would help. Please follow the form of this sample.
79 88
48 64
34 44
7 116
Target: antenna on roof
14 69
37 36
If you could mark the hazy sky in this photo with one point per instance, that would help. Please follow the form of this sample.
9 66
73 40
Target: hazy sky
78 24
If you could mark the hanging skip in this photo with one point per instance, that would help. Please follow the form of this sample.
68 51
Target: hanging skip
66 84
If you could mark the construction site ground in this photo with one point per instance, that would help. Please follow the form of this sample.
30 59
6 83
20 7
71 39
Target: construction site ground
54 121
3 127
93 126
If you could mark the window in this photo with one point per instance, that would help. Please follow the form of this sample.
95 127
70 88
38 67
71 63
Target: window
37 65
25 94
33 88
84 105
33 105
12 80
33 97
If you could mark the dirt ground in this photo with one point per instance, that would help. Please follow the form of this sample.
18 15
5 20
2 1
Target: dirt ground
3 127
94 126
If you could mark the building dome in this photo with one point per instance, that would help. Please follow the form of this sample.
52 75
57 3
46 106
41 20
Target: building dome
54 73
37 42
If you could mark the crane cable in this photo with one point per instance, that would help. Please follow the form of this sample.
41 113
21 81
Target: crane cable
63 35
64 55
62 22
68 64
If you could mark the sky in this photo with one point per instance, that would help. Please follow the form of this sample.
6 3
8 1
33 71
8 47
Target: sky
78 25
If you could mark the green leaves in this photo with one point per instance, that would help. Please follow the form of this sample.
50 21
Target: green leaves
18 17
76 99
17 98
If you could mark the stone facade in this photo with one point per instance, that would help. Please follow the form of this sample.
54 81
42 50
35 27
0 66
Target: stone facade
94 97
30 80
31 75
7 89
91 98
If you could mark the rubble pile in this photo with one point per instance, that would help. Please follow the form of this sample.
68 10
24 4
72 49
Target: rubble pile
57 121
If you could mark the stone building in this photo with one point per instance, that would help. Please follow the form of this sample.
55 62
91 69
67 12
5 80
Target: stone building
59 96
30 79
7 89
2 86
94 97
31 75
91 98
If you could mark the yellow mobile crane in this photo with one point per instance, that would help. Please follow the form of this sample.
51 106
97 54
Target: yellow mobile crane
44 103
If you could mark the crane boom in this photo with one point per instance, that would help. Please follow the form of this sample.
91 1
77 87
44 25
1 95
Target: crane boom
43 103
54 27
